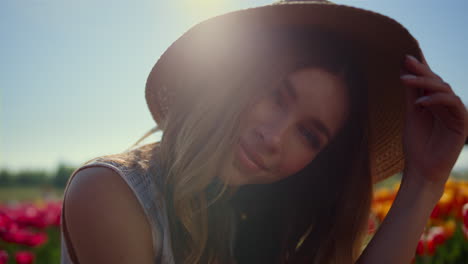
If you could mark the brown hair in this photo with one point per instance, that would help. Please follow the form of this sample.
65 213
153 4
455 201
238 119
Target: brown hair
324 207
320 214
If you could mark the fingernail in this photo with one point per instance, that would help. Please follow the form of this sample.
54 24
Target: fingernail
408 76
411 57
422 99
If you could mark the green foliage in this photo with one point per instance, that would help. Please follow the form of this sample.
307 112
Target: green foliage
31 178
36 178
5 178
28 193
61 175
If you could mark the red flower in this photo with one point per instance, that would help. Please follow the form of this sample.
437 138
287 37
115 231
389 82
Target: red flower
431 247
439 238
24 257
436 212
371 225
437 234
420 248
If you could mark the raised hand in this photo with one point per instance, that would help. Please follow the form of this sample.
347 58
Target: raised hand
436 124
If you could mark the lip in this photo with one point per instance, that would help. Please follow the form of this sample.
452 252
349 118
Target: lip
250 158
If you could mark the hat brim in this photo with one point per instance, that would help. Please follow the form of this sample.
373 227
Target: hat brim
384 41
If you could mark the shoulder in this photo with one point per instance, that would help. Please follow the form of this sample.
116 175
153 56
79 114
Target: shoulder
105 221
137 162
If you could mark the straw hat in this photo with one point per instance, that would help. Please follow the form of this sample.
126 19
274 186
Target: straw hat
385 41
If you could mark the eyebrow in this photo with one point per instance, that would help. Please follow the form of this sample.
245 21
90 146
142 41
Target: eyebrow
316 122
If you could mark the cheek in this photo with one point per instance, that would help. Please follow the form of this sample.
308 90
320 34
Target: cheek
264 109
294 161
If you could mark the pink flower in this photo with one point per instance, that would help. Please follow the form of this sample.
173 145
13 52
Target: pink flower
20 236
24 257
11 233
3 257
36 240
465 215
5 222
465 220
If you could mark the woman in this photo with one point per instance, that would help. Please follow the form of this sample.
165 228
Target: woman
276 121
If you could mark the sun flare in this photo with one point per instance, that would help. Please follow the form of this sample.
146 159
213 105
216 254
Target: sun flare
202 9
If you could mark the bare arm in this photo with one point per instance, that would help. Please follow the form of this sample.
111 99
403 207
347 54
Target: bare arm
436 127
398 236
106 223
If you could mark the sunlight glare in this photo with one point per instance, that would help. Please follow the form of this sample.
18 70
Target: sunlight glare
203 9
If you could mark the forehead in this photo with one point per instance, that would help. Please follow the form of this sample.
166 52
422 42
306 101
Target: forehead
320 95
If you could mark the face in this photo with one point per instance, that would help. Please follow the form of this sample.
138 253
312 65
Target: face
288 127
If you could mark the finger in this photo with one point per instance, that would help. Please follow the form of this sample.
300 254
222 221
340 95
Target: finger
449 110
452 102
416 67
427 84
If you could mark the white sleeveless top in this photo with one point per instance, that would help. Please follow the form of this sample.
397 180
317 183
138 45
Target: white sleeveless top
146 191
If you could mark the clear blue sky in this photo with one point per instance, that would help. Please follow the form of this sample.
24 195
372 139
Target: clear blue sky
72 73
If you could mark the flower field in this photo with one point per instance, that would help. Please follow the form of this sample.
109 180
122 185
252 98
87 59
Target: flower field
30 233
445 238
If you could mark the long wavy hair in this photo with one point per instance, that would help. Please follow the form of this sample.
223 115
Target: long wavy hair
318 215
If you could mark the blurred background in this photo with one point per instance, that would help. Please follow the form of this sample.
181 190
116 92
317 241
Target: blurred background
72 78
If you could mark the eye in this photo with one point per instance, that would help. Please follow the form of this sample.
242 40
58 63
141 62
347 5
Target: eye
311 137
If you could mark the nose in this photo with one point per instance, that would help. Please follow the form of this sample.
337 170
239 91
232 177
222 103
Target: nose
270 135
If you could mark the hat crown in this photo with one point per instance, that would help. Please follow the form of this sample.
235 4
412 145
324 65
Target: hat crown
279 2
